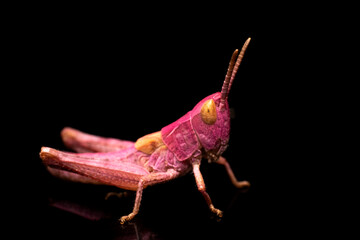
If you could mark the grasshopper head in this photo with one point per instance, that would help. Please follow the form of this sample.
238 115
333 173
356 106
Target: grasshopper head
211 116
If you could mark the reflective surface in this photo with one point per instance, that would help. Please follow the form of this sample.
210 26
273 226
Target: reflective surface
174 210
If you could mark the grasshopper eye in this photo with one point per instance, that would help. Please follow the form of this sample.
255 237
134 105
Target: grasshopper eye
208 112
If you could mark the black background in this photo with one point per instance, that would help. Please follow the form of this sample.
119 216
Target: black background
125 77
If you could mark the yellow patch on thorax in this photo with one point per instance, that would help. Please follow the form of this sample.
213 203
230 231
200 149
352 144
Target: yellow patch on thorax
149 143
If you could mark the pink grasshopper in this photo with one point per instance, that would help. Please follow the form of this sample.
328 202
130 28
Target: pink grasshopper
158 157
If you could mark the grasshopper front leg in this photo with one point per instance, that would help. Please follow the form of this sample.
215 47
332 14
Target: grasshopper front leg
201 187
235 182
152 178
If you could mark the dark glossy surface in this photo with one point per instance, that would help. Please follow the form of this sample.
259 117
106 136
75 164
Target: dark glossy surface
174 210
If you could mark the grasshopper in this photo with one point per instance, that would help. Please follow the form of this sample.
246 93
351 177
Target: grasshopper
158 157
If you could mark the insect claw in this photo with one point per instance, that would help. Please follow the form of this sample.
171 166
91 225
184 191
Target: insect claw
123 219
218 212
127 218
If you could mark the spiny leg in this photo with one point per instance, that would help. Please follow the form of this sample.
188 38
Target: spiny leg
201 187
152 178
238 184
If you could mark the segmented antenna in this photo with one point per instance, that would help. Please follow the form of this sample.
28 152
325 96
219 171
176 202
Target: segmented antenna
225 87
238 61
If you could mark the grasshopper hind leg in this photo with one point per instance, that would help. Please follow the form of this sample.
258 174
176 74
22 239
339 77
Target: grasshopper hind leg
152 178
83 142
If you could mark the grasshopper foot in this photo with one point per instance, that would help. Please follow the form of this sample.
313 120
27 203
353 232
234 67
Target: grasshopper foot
127 218
218 212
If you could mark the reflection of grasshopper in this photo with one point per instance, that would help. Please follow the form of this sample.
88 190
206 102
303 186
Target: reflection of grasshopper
158 157
92 212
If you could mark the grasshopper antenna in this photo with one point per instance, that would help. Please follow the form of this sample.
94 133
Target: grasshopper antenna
225 87
231 73
238 61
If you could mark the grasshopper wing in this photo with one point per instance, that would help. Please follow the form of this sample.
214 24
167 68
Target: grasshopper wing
122 169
